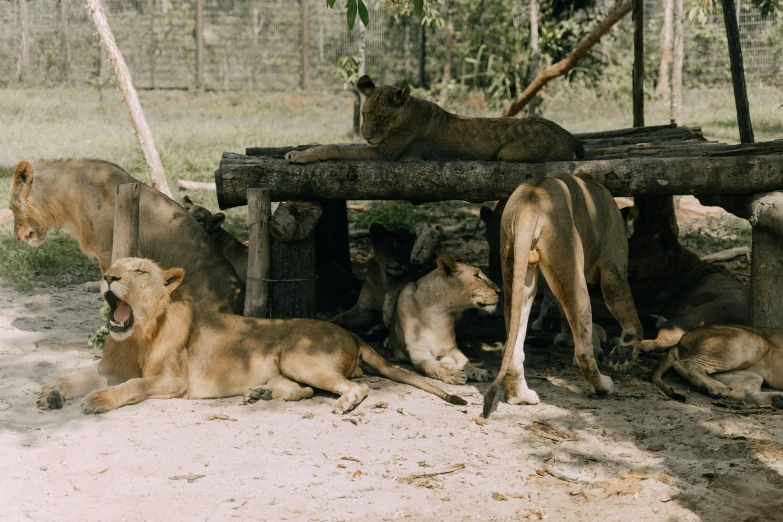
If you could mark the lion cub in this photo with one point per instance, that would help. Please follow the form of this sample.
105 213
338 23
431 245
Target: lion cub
232 249
423 322
399 126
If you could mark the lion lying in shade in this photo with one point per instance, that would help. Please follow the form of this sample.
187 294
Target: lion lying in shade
161 347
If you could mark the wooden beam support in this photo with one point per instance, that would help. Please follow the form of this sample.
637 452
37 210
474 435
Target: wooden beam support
259 209
737 71
478 181
638 63
766 307
292 285
125 242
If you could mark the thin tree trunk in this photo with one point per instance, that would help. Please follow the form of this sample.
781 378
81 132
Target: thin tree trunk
66 50
568 63
151 7
662 87
676 105
737 71
200 45
532 70
131 99
422 55
357 103
24 56
638 63
448 52
304 12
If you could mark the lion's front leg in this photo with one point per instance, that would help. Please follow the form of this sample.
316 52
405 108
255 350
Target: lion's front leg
134 391
76 384
328 152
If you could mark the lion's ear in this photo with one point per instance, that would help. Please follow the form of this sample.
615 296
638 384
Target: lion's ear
187 202
401 96
377 232
365 85
23 176
485 213
447 265
218 219
173 278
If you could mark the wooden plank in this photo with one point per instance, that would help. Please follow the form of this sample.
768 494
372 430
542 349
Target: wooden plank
259 209
125 242
638 63
737 72
766 306
479 181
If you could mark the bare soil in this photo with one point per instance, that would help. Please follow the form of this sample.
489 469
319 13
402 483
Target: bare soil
402 455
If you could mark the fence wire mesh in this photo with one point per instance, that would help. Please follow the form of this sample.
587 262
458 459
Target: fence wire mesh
256 44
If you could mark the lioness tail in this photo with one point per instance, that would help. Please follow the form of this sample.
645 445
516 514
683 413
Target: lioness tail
657 375
374 360
525 230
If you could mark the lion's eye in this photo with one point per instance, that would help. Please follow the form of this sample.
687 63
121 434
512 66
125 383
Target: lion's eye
478 276
140 271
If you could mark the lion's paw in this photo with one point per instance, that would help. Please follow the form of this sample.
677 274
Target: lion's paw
298 156
257 394
453 376
719 391
98 401
623 355
50 398
476 374
605 386
524 397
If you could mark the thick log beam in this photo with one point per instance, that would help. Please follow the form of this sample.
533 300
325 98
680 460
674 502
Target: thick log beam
478 181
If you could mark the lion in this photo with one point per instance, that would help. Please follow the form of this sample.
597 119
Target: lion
81 193
422 328
398 126
232 249
728 361
572 230
160 346
387 272
672 282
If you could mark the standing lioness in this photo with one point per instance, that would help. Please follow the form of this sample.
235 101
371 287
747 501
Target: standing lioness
400 126
572 230
161 347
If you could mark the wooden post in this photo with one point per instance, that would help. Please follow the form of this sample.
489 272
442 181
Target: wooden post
151 7
448 52
679 53
532 70
125 242
638 63
24 56
131 99
333 256
292 285
200 44
766 279
66 50
305 39
667 31
422 55
357 101
259 208
737 72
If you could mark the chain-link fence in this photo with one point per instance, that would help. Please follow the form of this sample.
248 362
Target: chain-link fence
258 44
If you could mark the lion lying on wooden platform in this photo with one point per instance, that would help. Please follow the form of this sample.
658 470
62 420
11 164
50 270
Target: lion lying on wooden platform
161 347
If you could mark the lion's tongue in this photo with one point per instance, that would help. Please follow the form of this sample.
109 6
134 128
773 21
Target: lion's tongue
122 312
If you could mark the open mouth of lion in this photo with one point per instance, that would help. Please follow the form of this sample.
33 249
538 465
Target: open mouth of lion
120 313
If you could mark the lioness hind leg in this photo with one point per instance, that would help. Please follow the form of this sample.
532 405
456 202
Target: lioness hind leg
515 385
694 371
746 386
351 393
285 389
617 295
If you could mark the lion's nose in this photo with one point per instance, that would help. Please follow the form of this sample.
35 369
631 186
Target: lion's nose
110 278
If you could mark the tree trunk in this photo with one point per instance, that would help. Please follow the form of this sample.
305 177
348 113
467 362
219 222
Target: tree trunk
66 50
638 63
131 99
304 10
568 63
532 70
448 52
357 103
737 72
676 103
259 209
200 45
24 51
662 88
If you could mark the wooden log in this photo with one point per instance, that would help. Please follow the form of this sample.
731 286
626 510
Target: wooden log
766 280
125 242
478 181
292 283
638 63
635 131
726 255
737 72
183 184
259 208
685 148
679 55
762 210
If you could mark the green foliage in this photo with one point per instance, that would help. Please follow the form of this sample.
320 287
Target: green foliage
398 216
354 7
347 69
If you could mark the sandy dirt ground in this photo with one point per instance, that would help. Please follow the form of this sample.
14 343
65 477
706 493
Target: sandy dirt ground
401 455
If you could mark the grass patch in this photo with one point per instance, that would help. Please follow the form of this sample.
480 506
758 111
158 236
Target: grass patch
715 234
58 262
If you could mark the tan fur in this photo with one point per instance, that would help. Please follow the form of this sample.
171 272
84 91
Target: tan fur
571 229
423 323
232 249
81 193
387 272
171 349
669 280
728 361
399 126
